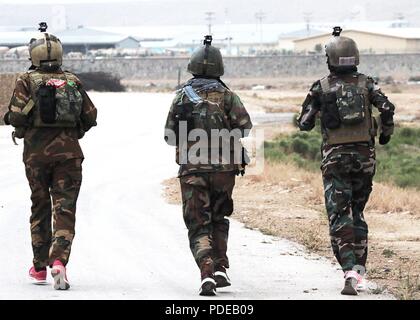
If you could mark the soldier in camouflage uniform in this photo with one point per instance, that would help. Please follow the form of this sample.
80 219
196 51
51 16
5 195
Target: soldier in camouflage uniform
344 101
51 125
207 186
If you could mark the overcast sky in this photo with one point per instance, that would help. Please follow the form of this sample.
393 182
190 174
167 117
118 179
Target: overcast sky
164 12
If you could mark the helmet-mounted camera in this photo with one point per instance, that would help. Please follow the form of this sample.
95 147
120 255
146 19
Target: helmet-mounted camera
337 31
43 27
208 40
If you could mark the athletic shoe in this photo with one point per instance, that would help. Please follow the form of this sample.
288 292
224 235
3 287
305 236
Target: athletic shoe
38 277
58 272
350 283
208 287
361 284
221 277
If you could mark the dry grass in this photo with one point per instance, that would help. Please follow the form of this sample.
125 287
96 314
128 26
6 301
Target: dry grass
409 283
392 199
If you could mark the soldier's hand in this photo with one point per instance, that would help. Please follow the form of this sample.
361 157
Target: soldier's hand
19 132
17 119
384 139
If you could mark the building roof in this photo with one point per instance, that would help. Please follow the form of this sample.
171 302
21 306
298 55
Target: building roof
16 38
302 33
404 33
193 34
88 36
68 37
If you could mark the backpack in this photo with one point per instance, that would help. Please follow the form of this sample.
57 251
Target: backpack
56 98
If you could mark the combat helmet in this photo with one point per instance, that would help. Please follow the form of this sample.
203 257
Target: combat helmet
206 60
342 51
45 50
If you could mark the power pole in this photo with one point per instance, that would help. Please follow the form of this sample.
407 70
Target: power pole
307 17
260 16
229 38
209 19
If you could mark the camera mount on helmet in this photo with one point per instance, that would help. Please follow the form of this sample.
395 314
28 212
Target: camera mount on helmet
337 31
208 40
43 27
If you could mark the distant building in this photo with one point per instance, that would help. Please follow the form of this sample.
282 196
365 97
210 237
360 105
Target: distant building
74 40
286 41
381 40
84 39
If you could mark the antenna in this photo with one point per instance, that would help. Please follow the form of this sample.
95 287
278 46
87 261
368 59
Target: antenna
337 31
43 27
260 16
307 17
209 19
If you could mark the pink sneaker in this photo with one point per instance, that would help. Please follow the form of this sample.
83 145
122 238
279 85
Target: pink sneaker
58 273
350 285
38 277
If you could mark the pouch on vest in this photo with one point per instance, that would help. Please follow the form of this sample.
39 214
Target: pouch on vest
47 103
69 103
58 102
183 112
208 116
330 117
350 104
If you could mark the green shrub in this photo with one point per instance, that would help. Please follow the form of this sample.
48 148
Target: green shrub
397 162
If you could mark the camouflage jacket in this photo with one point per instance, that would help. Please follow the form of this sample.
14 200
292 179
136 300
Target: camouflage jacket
312 106
235 112
51 144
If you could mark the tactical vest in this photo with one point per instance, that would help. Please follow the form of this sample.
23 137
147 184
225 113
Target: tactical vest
346 112
55 99
202 107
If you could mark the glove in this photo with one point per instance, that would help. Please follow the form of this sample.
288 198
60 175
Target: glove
17 119
19 132
384 139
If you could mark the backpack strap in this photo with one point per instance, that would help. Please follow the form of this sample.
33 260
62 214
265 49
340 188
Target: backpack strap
70 76
35 78
35 81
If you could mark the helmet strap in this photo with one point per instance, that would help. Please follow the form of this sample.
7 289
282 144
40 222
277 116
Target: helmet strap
206 58
48 40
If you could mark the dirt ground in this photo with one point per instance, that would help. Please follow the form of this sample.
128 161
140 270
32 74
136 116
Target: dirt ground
7 82
288 202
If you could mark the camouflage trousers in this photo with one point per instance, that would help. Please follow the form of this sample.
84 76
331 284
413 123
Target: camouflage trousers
55 188
347 175
207 201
